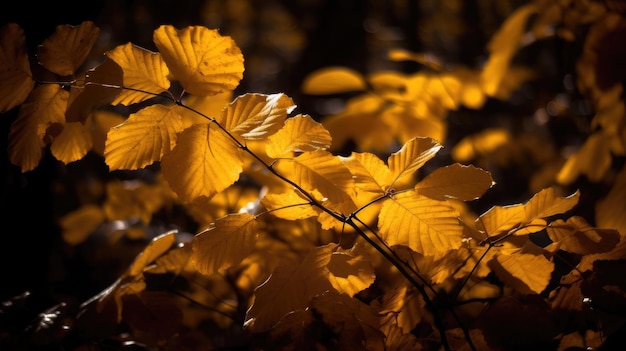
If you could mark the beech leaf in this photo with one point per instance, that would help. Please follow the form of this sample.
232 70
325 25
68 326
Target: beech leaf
411 157
202 60
525 272
289 205
333 80
350 272
16 81
143 138
576 236
157 247
455 181
73 143
68 47
547 203
369 172
300 133
224 244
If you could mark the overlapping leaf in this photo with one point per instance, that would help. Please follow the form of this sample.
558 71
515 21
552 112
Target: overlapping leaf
577 236
68 47
300 133
455 181
350 271
370 172
74 142
16 81
527 273
411 157
144 71
204 62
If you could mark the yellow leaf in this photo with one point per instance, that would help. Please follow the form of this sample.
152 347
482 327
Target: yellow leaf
350 271
133 200
370 173
204 107
501 219
610 210
157 247
101 122
289 205
232 200
455 181
333 80
300 133
479 144
290 288
204 162
102 85
45 107
256 116
576 236
547 203
204 62
527 273
143 138
593 159
15 75
143 71
77 225
73 143
225 244
425 225
406 304
68 47
411 157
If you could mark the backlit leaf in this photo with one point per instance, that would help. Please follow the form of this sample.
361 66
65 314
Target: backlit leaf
333 80
204 162
455 181
350 271
290 288
300 133
411 157
479 144
77 225
143 70
16 80
425 225
157 247
133 200
370 173
289 206
143 138
547 203
45 107
527 273
68 47
255 116
204 62
593 159
225 244
576 236
500 219
73 143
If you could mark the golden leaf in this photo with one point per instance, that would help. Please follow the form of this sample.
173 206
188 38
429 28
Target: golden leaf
256 116
73 143
204 62
525 272
157 247
547 203
350 271
500 219
333 80
204 162
411 157
77 225
577 236
45 107
101 122
15 75
406 305
143 138
68 47
290 288
289 205
203 108
225 244
370 173
593 159
479 144
143 70
425 225
300 133
133 199
455 181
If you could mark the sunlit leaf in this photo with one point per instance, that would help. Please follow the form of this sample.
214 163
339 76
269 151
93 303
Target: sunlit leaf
425 225
204 62
455 181
547 203
73 143
350 271
290 288
525 272
229 241
133 200
499 219
45 107
411 157
68 47
289 205
157 247
333 80
577 236
370 173
202 108
204 162
77 225
593 159
101 122
406 305
15 75
479 144
300 133
143 71
143 138
256 116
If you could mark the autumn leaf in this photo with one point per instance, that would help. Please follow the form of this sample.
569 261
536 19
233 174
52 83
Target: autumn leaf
333 80
225 244
45 107
411 157
157 247
289 205
143 138
425 225
299 134
133 200
370 173
256 116
455 181
143 71
77 225
547 203
204 62
68 47
404 306
593 160
479 144
528 273
204 162
575 235
74 142
15 73
350 271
